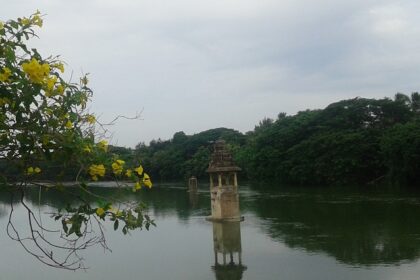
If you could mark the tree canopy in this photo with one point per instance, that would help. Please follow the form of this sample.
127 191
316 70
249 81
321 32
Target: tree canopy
46 132
356 141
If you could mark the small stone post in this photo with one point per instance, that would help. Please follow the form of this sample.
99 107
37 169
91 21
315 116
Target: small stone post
192 184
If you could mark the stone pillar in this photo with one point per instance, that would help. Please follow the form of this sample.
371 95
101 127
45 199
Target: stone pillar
192 184
224 196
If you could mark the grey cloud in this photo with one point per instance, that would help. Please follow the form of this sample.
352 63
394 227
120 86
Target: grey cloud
195 65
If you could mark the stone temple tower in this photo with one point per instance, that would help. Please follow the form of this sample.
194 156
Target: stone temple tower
223 185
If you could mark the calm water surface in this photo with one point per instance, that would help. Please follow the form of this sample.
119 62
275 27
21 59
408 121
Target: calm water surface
289 233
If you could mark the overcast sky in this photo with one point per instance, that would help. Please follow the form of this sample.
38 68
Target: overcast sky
193 65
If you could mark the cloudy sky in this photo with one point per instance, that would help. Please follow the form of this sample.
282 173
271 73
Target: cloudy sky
193 65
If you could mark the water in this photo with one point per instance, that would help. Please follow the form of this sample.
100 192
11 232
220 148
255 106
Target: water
288 233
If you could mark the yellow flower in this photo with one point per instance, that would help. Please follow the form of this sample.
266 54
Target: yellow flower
103 145
60 89
87 149
139 170
137 186
146 181
96 170
31 170
117 167
90 119
148 184
36 19
4 77
100 211
59 66
4 101
128 173
37 72
69 124
51 82
116 211
25 21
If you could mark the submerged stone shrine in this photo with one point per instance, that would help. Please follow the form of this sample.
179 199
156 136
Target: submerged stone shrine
223 185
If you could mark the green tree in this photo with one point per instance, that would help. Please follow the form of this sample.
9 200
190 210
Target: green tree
184 155
349 142
401 152
44 126
415 102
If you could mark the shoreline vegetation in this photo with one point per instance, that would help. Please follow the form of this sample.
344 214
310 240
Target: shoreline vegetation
351 142
357 141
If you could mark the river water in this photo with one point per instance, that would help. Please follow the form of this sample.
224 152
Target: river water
288 233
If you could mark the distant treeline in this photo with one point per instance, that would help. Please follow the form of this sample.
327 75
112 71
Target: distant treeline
355 141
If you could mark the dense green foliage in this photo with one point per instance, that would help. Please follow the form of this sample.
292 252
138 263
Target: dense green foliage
356 141
183 155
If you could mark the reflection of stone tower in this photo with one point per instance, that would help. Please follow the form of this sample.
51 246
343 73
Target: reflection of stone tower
193 198
227 243
223 185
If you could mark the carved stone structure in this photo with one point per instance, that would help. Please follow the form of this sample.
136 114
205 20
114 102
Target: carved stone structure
223 185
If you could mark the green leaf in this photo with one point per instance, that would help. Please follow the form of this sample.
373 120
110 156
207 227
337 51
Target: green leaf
65 227
14 24
116 225
72 229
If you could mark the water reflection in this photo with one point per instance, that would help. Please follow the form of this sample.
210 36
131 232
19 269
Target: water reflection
359 229
193 198
355 228
227 251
